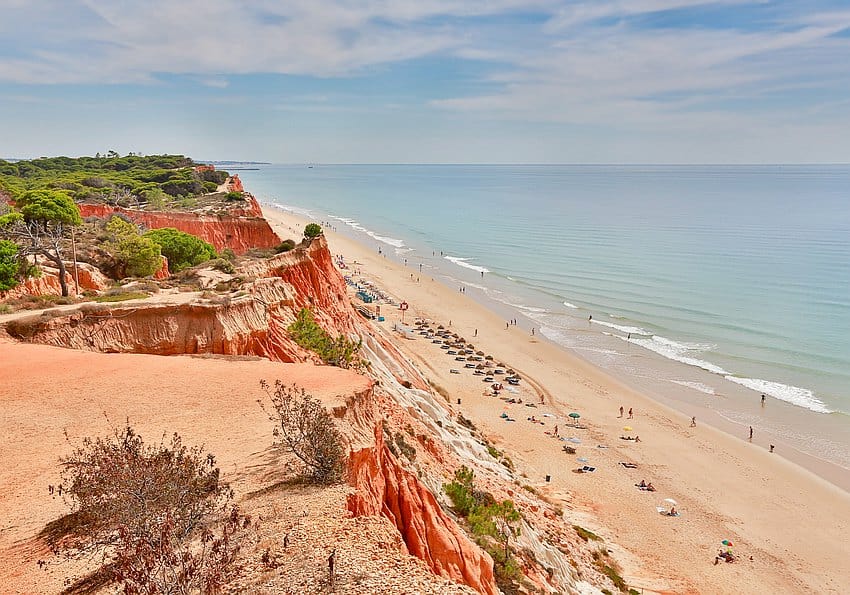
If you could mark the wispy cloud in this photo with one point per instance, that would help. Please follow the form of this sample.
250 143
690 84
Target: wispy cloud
684 68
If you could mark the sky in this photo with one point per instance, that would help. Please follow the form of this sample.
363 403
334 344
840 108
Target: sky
429 81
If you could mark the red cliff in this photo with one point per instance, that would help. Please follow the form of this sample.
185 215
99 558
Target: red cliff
254 323
384 487
240 233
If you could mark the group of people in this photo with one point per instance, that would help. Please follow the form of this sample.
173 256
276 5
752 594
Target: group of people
646 487
631 412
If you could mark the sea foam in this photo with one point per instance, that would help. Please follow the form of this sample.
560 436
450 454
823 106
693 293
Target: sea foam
802 397
698 386
353 224
634 330
464 262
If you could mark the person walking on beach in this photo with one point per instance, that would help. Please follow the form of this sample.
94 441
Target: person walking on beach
694 422
762 400
751 433
532 331
771 448
476 333
621 411
631 413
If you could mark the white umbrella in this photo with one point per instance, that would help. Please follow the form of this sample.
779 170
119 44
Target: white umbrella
670 501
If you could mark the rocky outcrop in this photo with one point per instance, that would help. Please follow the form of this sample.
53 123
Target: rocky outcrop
250 322
234 184
239 231
316 284
384 487
91 279
163 272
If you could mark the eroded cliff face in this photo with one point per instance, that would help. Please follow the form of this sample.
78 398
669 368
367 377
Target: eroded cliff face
252 321
384 487
239 230
90 278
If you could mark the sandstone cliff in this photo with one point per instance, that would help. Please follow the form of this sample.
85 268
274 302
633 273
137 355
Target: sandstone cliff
91 279
239 230
385 487
252 321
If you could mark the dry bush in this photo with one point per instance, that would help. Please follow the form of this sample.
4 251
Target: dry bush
305 429
151 511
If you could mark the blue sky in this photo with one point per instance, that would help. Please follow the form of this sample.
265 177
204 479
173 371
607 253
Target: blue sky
432 81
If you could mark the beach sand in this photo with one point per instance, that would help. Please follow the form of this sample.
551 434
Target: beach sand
788 525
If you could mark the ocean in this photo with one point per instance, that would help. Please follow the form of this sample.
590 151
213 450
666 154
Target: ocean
708 285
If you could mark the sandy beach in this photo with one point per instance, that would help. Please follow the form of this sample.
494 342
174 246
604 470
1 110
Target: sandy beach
788 525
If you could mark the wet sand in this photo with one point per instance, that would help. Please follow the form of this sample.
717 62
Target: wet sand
791 522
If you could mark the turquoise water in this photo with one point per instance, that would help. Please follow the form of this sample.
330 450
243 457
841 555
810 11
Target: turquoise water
731 280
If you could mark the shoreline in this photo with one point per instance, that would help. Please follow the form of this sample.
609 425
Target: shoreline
727 487
773 424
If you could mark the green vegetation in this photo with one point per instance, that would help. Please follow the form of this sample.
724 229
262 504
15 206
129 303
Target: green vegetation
182 250
585 534
490 522
9 265
40 224
120 297
341 352
601 559
136 256
233 196
284 246
133 181
313 230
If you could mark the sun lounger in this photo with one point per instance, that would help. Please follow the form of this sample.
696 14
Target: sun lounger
453 371
585 469
628 465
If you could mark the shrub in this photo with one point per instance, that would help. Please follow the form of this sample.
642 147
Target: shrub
228 254
284 246
405 448
312 230
220 264
585 534
136 256
9 265
460 491
234 196
182 250
305 429
341 352
143 503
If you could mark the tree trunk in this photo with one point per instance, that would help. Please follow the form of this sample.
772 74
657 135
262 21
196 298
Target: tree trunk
62 282
57 260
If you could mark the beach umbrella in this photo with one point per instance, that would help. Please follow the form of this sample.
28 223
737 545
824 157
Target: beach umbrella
670 501
479 353
489 357
575 416
727 543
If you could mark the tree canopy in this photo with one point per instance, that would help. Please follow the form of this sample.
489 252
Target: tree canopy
125 181
182 250
49 206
